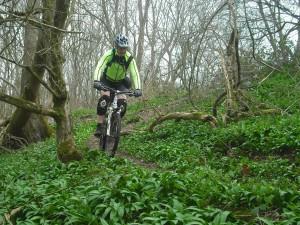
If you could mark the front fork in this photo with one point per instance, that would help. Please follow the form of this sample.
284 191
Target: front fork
108 122
110 111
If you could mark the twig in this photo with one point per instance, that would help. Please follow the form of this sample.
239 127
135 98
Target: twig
9 217
29 68
3 123
40 24
297 101
10 84
16 141
200 42
253 42
2 148
260 82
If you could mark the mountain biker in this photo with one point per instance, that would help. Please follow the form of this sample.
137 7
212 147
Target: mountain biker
111 71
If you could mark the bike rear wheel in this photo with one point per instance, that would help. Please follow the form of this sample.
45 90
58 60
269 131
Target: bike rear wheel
111 141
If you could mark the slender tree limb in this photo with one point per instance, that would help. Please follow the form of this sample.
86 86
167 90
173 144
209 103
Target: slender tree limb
218 101
28 105
10 217
291 105
284 9
2 148
41 24
10 84
30 69
107 26
253 42
12 40
260 82
259 113
200 42
4 123
45 84
53 81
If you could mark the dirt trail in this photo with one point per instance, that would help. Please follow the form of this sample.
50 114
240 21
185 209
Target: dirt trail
92 143
145 114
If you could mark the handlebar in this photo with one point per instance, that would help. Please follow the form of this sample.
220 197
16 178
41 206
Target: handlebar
99 86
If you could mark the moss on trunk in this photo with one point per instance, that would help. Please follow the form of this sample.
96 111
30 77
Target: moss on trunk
66 148
66 151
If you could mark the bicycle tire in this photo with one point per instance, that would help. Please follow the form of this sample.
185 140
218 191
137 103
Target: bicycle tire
111 141
102 142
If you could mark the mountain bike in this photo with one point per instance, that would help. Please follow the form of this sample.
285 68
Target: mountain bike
109 141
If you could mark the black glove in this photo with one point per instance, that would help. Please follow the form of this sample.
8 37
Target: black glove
97 85
137 93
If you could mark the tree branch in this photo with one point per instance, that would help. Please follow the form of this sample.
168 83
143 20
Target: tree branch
253 42
284 9
40 24
10 84
28 105
30 69
220 8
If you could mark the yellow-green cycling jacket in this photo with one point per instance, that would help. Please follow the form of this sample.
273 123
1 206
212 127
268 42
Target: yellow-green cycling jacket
117 70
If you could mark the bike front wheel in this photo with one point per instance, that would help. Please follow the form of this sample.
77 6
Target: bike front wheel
112 140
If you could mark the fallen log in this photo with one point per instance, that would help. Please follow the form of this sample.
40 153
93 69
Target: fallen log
184 116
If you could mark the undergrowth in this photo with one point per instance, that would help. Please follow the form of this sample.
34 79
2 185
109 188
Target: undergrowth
246 172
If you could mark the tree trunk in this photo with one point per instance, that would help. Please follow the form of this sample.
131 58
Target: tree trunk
66 149
143 17
24 125
231 68
49 56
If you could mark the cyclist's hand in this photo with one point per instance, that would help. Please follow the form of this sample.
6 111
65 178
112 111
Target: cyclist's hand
97 85
137 93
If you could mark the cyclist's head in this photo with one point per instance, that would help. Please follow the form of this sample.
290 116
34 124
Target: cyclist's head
121 41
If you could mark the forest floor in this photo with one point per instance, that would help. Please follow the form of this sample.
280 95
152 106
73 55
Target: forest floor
185 172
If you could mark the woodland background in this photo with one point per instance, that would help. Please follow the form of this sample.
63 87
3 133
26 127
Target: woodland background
176 43
214 140
190 45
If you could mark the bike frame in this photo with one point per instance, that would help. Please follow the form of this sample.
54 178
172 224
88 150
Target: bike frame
113 104
112 108
110 140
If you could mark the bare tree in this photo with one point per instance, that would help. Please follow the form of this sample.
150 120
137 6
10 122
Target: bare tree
143 17
25 126
49 57
231 64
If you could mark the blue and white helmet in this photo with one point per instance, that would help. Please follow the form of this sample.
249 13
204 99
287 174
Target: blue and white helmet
121 41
